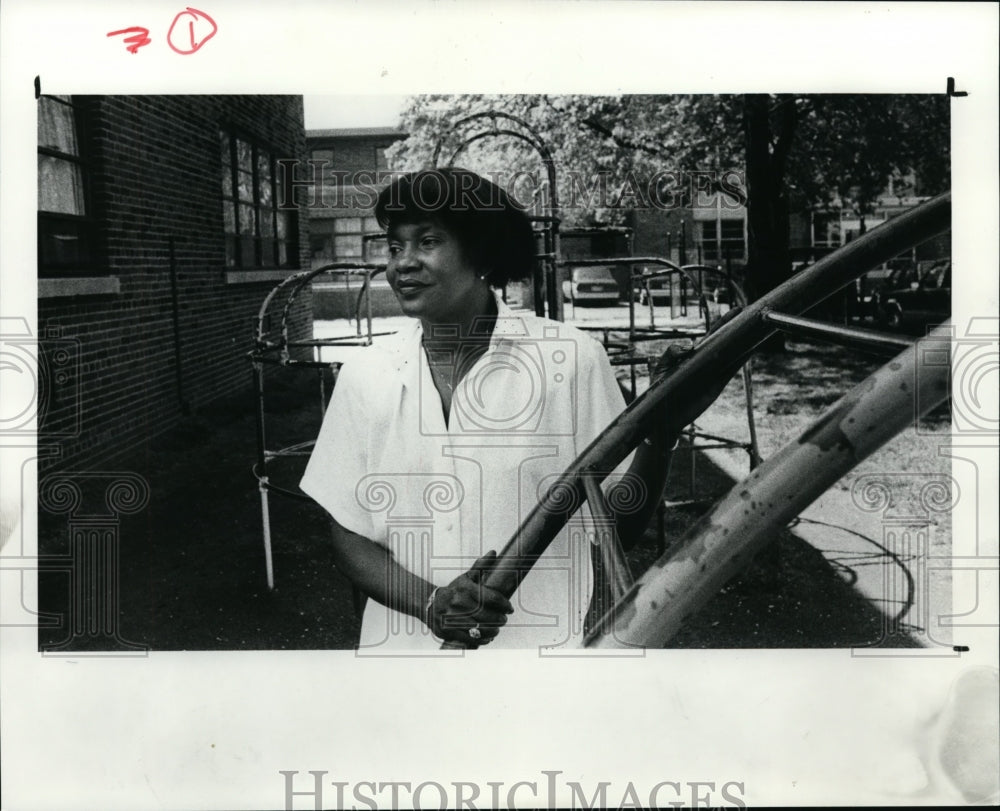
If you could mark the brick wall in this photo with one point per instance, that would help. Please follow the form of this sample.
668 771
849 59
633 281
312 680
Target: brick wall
353 153
156 194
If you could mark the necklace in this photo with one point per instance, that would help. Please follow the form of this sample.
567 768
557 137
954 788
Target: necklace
450 356
442 368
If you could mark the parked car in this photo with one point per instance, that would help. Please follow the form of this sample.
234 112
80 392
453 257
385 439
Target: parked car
872 286
921 303
591 285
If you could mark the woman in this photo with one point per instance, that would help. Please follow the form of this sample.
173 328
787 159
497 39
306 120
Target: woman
437 444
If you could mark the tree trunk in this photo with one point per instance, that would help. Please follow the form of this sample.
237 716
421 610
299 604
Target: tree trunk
768 259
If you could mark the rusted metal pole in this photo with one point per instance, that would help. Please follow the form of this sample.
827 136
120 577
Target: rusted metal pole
838 334
722 541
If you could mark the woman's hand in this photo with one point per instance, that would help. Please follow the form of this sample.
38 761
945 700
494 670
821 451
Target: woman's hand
467 611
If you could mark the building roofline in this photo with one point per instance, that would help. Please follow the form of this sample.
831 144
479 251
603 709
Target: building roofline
355 132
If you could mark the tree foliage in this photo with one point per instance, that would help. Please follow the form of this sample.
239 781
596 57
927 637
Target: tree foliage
798 151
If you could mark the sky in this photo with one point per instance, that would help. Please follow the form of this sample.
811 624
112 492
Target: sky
333 112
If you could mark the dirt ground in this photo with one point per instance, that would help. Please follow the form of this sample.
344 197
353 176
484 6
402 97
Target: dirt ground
192 562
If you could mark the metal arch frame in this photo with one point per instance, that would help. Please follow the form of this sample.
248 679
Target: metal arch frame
494 123
291 286
653 333
668 268
691 571
277 352
735 289
547 279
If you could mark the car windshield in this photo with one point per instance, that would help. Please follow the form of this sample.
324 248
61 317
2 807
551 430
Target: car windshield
935 277
901 278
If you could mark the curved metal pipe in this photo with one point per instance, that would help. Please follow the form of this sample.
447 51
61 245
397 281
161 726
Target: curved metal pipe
718 356
723 540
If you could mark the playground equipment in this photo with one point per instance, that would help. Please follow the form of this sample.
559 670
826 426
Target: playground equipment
545 217
692 569
546 288
647 611
273 347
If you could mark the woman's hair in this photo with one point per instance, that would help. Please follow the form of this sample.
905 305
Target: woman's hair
493 231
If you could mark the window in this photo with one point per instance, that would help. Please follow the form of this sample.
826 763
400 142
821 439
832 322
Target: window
347 246
346 239
826 229
722 240
381 164
320 248
258 234
852 228
65 238
375 247
346 225
731 237
358 238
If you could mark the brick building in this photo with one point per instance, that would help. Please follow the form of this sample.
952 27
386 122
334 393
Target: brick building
349 163
714 232
159 235
349 167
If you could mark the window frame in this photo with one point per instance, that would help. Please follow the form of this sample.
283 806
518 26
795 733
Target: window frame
715 247
234 258
86 223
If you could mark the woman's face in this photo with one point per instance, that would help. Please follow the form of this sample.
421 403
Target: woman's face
431 275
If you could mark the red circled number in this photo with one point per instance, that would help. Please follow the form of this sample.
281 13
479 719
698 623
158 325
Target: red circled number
190 30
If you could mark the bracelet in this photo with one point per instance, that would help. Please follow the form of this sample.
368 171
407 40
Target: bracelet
428 606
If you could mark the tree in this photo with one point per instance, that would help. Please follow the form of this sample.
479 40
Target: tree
797 152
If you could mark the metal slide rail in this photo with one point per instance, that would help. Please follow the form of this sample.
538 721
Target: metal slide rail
694 568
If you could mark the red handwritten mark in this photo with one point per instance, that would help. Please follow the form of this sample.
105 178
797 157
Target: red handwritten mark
140 37
188 38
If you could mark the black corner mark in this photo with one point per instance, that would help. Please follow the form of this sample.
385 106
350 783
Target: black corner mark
38 87
952 91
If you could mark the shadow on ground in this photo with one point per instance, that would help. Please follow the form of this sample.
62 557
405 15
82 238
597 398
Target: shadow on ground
192 563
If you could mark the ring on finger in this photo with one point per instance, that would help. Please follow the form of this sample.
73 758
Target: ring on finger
475 633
